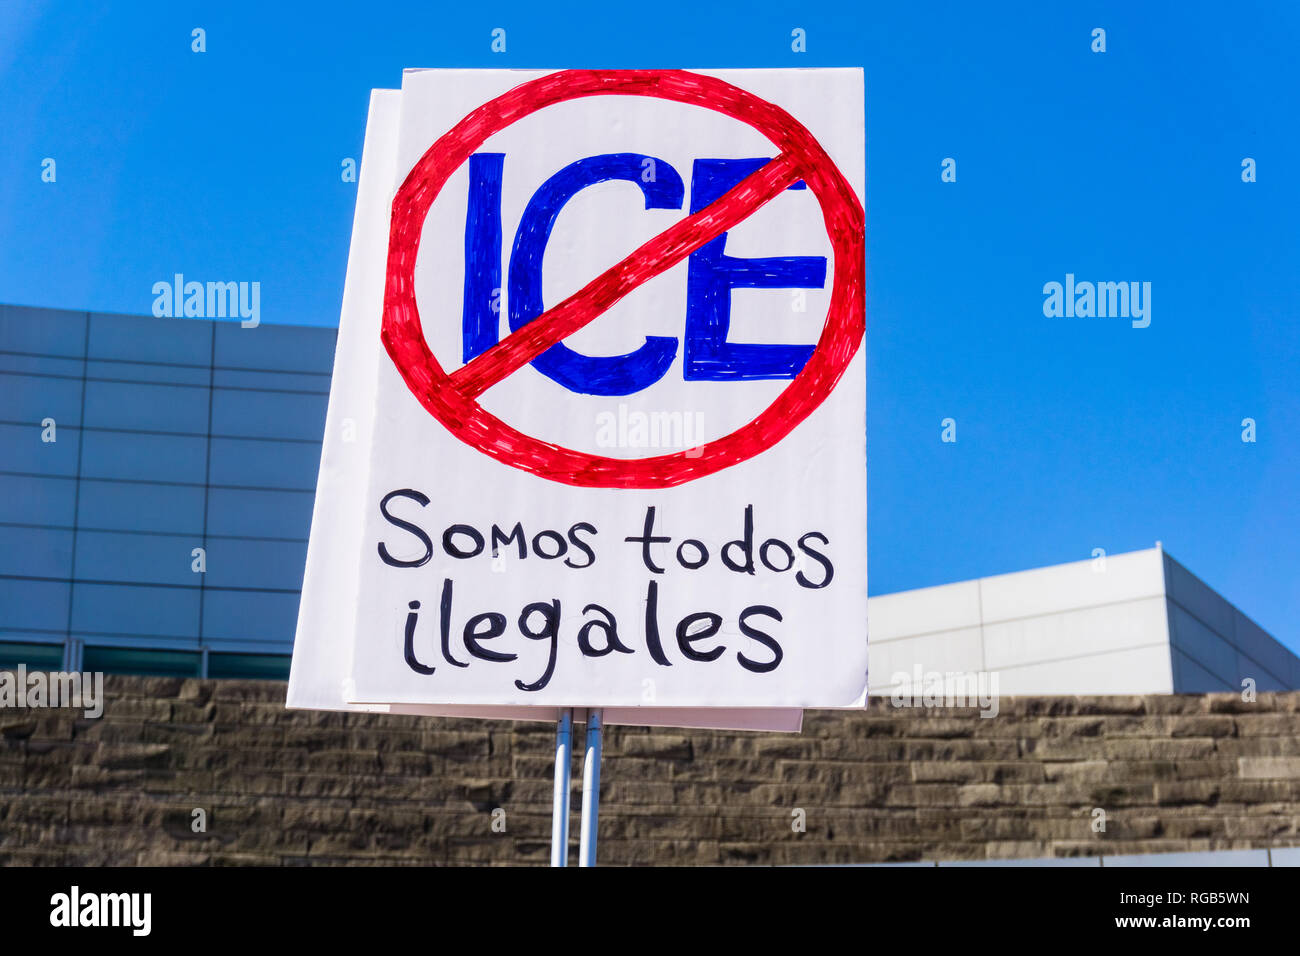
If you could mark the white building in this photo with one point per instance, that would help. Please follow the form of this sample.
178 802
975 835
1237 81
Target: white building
1135 623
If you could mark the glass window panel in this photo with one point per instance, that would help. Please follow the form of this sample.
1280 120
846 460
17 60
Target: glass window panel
123 610
171 408
123 506
260 514
268 414
33 398
148 339
261 666
292 348
35 552
33 605
118 371
121 660
137 558
29 500
44 331
22 450
241 563
147 457
41 365
250 616
318 382
44 657
264 464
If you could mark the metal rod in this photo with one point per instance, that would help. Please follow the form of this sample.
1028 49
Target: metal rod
560 796
590 790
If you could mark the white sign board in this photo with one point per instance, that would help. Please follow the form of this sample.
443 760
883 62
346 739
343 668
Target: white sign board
597 428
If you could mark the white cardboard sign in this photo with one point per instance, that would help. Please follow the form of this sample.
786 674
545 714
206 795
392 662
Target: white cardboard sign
611 450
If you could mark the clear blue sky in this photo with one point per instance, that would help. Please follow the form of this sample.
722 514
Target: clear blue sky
1073 434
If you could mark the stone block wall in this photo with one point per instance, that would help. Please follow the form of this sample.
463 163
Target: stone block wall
278 787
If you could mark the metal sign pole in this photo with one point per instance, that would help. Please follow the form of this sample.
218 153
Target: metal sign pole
560 795
590 789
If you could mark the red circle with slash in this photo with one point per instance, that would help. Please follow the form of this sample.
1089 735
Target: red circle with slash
453 398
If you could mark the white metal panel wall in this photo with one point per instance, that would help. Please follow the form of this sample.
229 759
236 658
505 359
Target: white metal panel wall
1089 627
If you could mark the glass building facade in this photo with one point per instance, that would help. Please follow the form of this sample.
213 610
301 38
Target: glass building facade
156 487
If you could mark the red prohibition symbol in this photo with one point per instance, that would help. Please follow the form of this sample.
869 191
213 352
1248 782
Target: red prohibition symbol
453 398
